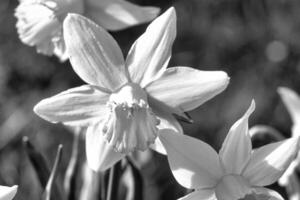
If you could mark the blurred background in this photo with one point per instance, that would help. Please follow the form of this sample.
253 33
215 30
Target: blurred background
257 42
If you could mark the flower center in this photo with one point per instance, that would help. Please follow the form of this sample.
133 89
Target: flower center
232 187
131 124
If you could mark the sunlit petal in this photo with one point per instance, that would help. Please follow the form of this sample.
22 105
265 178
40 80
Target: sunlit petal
284 180
194 164
94 54
78 106
60 49
167 121
264 193
100 155
118 14
150 54
186 88
292 102
205 194
8 193
269 162
236 148
167 124
158 145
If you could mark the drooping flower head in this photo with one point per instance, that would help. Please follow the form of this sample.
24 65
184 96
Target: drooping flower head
126 103
8 193
237 172
40 21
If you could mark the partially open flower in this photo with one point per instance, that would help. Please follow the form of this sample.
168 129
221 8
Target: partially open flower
237 172
40 21
127 102
8 193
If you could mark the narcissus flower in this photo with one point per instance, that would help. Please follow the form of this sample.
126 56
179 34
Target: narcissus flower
291 101
8 193
126 102
237 172
40 21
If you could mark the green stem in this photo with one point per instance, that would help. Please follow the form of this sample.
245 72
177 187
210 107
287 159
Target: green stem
72 169
113 182
103 178
48 189
138 182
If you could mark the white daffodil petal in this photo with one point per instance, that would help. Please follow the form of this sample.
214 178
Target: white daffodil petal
8 193
60 50
232 187
237 147
167 123
164 113
187 88
162 108
78 106
194 164
118 14
264 193
285 179
200 194
269 162
171 127
158 146
292 102
100 155
94 54
151 52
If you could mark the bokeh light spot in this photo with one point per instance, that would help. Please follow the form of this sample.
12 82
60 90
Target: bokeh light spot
276 51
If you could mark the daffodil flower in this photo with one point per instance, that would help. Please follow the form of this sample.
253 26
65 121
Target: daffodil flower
8 193
237 172
291 101
40 21
126 102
